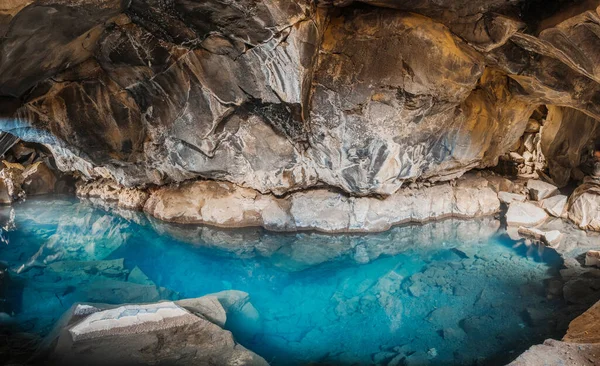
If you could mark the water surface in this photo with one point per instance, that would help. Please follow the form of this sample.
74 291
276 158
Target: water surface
450 292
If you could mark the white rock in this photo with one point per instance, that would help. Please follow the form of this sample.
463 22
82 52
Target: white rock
538 190
525 214
508 198
555 205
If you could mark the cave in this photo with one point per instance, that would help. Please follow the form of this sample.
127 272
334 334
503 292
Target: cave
293 182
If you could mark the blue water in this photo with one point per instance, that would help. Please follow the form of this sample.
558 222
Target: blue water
450 292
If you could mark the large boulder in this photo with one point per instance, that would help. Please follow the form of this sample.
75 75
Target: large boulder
584 205
142 334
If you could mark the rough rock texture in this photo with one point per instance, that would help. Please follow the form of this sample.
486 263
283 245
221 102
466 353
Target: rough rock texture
584 205
226 205
143 334
280 96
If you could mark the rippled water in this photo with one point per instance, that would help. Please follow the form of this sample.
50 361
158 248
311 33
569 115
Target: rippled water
451 292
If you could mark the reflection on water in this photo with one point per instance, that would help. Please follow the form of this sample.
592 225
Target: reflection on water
451 292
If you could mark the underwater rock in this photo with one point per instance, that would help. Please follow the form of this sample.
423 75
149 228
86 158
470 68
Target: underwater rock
584 205
525 214
539 190
585 328
141 334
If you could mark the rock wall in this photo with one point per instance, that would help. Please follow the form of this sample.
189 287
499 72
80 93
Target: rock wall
280 96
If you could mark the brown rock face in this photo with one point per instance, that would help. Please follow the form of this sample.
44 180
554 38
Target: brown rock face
284 95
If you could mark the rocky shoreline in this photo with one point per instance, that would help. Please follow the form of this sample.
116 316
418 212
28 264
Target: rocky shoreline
223 204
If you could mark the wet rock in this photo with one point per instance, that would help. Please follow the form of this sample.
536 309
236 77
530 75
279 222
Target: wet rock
525 214
584 206
555 206
139 334
539 190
